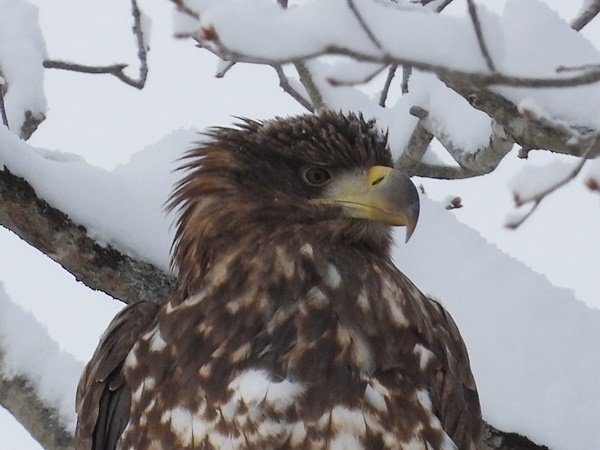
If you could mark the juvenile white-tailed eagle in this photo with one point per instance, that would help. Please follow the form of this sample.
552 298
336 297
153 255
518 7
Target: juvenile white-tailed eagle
289 326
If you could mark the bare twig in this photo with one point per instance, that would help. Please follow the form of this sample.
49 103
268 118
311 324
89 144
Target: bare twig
586 15
388 83
183 8
309 84
116 70
472 78
443 5
537 198
224 68
138 31
2 106
479 33
284 82
406 73
589 67
365 79
364 25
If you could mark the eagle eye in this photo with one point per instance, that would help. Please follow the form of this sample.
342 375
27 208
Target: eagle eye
317 176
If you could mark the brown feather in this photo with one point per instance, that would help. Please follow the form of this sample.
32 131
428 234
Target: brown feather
289 326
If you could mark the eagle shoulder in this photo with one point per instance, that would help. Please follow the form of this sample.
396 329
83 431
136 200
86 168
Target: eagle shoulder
103 399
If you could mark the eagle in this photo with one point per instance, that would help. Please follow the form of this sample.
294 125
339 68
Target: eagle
289 326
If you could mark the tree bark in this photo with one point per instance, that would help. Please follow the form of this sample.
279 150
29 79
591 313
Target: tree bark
19 397
51 231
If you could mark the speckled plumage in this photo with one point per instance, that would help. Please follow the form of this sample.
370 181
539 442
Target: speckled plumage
289 326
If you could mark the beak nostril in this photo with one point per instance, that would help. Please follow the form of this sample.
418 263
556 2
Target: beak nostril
377 181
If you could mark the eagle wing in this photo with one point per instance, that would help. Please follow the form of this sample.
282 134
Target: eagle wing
103 399
454 391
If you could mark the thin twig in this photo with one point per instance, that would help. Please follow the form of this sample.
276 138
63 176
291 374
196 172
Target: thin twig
224 68
116 70
442 6
473 78
2 106
417 145
479 33
309 84
388 83
142 48
586 16
406 73
364 80
364 25
183 8
537 198
580 68
284 82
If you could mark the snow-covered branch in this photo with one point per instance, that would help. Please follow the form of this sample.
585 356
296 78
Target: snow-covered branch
589 10
41 420
528 191
51 231
37 380
387 35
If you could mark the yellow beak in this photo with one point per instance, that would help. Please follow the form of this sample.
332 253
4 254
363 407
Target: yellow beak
382 194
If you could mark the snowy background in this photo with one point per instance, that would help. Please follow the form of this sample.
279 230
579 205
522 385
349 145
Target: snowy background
526 301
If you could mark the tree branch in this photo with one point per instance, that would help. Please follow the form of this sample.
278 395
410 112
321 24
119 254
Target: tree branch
116 70
409 161
48 229
479 33
586 15
386 87
309 84
353 82
19 397
363 24
284 83
537 198
528 131
470 164
209 39
2 106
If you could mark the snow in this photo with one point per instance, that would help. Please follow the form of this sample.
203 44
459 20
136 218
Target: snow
22 51
536 48
28 350
527 39
111 204
533 346
531 181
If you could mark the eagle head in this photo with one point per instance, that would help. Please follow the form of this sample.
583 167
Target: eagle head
328 174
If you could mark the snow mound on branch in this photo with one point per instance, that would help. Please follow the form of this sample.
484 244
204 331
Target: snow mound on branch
28 350
22 52
533 347
123 207
536 43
